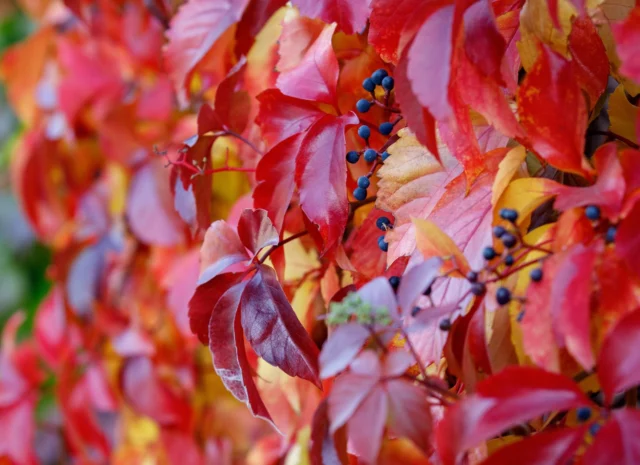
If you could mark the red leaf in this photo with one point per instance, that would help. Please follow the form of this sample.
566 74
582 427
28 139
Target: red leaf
255 16
194 30
17 432
256 230
180 282
429 67
415 282
555 447
226 344
281 117
325 448
557 312
619 367
514 395
628 239
409 412
394 22
483 43
51 331
204 300
316 76
617 441
552 111
341 348
365 428
607 192
149 395
351 15
419 120
150 208
321 175
627 35
220 249
192 194
275 175
273 330
589 58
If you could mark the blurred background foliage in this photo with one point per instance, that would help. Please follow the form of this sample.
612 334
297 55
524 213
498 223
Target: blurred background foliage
23 261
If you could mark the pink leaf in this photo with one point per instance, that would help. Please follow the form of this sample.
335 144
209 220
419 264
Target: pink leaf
316 76
273 330
379 294
619 367
194 30
429 67
221 248
341 348
351 15
150 207
627 35
256 230
409 412
514 395
226 344
483 43
415 282
326 448
366 426
321 175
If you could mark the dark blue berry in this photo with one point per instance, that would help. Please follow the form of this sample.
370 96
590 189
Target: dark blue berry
363 105
369 85
378 76
472 276
536 275
370 155
385 128
394 281
503 295
499 231
508 214
509 240
364 132
611 234
385 155
583 414
445 324
478 289
383 223
594 428
415 311
508 260
427 291
384 245
520 316
489 253
353 157
592 212
359 193
363 182
388 83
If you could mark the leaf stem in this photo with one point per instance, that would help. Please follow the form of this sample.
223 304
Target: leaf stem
282 243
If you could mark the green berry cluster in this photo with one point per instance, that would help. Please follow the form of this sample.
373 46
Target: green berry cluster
353 307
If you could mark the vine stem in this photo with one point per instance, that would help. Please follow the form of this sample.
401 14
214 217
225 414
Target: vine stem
613 135
282 243
229 132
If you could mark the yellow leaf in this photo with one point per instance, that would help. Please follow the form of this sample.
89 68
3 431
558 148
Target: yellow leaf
507 169
524 195
400 175
536 25
612 11
523 280
227 186
431 241
623 115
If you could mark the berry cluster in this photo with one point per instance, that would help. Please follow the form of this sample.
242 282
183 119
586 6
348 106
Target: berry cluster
384 224
592 212
370 155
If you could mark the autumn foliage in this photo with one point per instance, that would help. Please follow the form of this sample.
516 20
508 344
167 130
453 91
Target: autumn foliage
328 232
